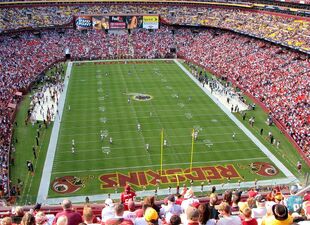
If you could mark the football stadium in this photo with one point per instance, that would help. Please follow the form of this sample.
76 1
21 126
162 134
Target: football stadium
154 112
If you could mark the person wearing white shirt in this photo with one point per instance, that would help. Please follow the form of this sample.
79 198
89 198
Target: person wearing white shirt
225 216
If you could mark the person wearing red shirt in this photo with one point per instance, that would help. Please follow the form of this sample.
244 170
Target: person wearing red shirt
73 217
248 220
126 195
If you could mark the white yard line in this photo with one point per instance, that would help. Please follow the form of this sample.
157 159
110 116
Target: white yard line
280 165
48 164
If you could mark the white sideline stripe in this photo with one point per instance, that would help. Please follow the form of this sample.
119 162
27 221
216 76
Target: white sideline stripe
165 192
50 155
158 165
263 148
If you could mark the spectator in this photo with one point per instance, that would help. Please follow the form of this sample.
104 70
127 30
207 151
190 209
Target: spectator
192 216
212 203
6 221
41 219
294 202
260 209
227 218
150 217
171 208
17 215
189 199
280 216
62 220
131 213
150 202
205 215
28 219
88 215
248 220
175 220
108 210
118 217
73 218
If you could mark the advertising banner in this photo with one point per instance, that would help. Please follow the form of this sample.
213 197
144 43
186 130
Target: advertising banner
133 22
83 22
150 22
105 22
117 22
101 22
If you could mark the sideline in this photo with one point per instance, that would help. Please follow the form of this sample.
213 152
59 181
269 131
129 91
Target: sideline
289 175
50 155
166 192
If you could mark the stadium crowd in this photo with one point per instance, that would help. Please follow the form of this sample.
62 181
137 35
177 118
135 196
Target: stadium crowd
230 207
277 77
291 31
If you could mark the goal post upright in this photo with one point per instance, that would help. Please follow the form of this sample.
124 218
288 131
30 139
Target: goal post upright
176 175
192 151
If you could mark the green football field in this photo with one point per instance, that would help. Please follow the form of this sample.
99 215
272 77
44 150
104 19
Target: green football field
113 98
107 101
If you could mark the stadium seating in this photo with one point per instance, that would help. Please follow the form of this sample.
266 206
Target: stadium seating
289 30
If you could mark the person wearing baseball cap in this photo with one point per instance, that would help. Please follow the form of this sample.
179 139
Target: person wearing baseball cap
150 217
260 211
171 208
108 210
280 216
190 199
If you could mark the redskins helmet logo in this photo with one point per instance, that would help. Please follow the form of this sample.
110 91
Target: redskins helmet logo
67 184
263 169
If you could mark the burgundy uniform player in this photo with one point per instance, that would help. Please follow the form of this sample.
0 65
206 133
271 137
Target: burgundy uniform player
126 195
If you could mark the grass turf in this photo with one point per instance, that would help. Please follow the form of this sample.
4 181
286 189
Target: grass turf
99 102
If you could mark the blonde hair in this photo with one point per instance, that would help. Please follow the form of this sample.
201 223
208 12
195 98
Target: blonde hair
6 221
28 219
247 212
88 213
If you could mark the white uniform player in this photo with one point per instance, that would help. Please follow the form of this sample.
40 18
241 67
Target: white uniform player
101 135
73 146
195 135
